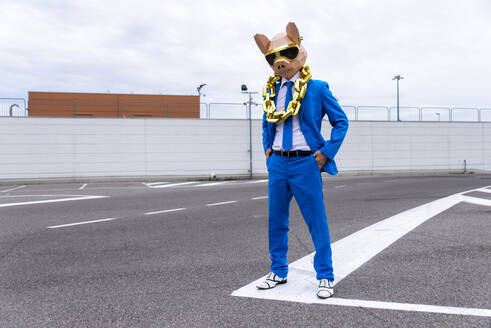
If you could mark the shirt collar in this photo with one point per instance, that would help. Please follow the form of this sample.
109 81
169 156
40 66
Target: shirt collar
294 77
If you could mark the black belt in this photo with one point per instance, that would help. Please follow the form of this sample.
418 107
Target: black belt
293 153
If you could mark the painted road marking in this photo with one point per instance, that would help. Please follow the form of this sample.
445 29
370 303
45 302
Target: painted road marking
211 184
12 189
222 203
166 211
407 307
83 186
50 200
260 197
149 184
196 183
342 186
476 200
173 184
356 249
80 223
258 181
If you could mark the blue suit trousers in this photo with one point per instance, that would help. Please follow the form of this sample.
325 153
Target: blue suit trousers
299 177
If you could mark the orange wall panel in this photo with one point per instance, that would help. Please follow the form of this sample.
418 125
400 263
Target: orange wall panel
65 104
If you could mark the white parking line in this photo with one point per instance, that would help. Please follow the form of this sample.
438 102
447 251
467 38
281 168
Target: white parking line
211 184
148 184
83 186
258 181
476 200
342 186
12 189
80 223
50 200
166 211
260 197
408 307
173 184
222 203
356 249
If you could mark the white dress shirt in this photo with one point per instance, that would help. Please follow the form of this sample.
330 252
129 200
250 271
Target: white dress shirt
298 140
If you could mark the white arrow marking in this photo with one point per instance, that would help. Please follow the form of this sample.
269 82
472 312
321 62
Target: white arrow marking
356 249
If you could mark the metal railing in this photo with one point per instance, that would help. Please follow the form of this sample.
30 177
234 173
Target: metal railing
150 108
367 113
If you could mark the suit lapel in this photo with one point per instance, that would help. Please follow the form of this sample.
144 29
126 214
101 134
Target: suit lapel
276 93
302 109
272 126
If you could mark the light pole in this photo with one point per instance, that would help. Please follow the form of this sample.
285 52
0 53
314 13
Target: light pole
397 77
199 89
199 100
12 107
438 114
250 93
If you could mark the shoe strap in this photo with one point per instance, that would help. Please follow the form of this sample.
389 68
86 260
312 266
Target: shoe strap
272 276
324 283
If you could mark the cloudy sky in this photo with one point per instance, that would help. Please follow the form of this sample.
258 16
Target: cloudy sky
441 47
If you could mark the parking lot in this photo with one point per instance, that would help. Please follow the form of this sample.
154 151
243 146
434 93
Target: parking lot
408 251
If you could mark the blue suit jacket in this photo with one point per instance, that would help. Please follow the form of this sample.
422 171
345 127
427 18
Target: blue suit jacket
318 101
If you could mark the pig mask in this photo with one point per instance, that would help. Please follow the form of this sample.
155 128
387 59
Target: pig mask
280 51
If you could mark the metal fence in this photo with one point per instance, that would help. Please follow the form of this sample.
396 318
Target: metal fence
365 113
17 107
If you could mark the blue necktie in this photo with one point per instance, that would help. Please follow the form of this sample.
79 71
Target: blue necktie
287 127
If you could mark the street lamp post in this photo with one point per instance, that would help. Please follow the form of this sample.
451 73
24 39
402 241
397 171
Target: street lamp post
397 77
199 88
12 107
250 93
199 93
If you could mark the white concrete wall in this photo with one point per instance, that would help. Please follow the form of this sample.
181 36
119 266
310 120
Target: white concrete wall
83 147
414 146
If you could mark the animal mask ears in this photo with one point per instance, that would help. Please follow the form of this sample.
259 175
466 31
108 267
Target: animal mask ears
262 42
292 33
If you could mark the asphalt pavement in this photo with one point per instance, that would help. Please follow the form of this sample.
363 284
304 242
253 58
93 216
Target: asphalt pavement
170 254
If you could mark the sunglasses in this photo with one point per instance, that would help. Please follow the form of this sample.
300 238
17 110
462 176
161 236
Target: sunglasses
289 52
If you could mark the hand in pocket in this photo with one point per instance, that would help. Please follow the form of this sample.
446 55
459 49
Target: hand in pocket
320 158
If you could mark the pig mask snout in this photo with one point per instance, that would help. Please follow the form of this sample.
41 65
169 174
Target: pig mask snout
280 65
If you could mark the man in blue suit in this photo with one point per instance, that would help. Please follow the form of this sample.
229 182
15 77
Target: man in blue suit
296 153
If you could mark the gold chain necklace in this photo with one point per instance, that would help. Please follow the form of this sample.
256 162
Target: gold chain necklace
269 93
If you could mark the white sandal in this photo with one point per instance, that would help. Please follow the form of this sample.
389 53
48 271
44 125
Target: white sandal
271 281
326 289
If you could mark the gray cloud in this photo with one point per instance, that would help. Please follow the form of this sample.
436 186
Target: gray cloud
442 48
